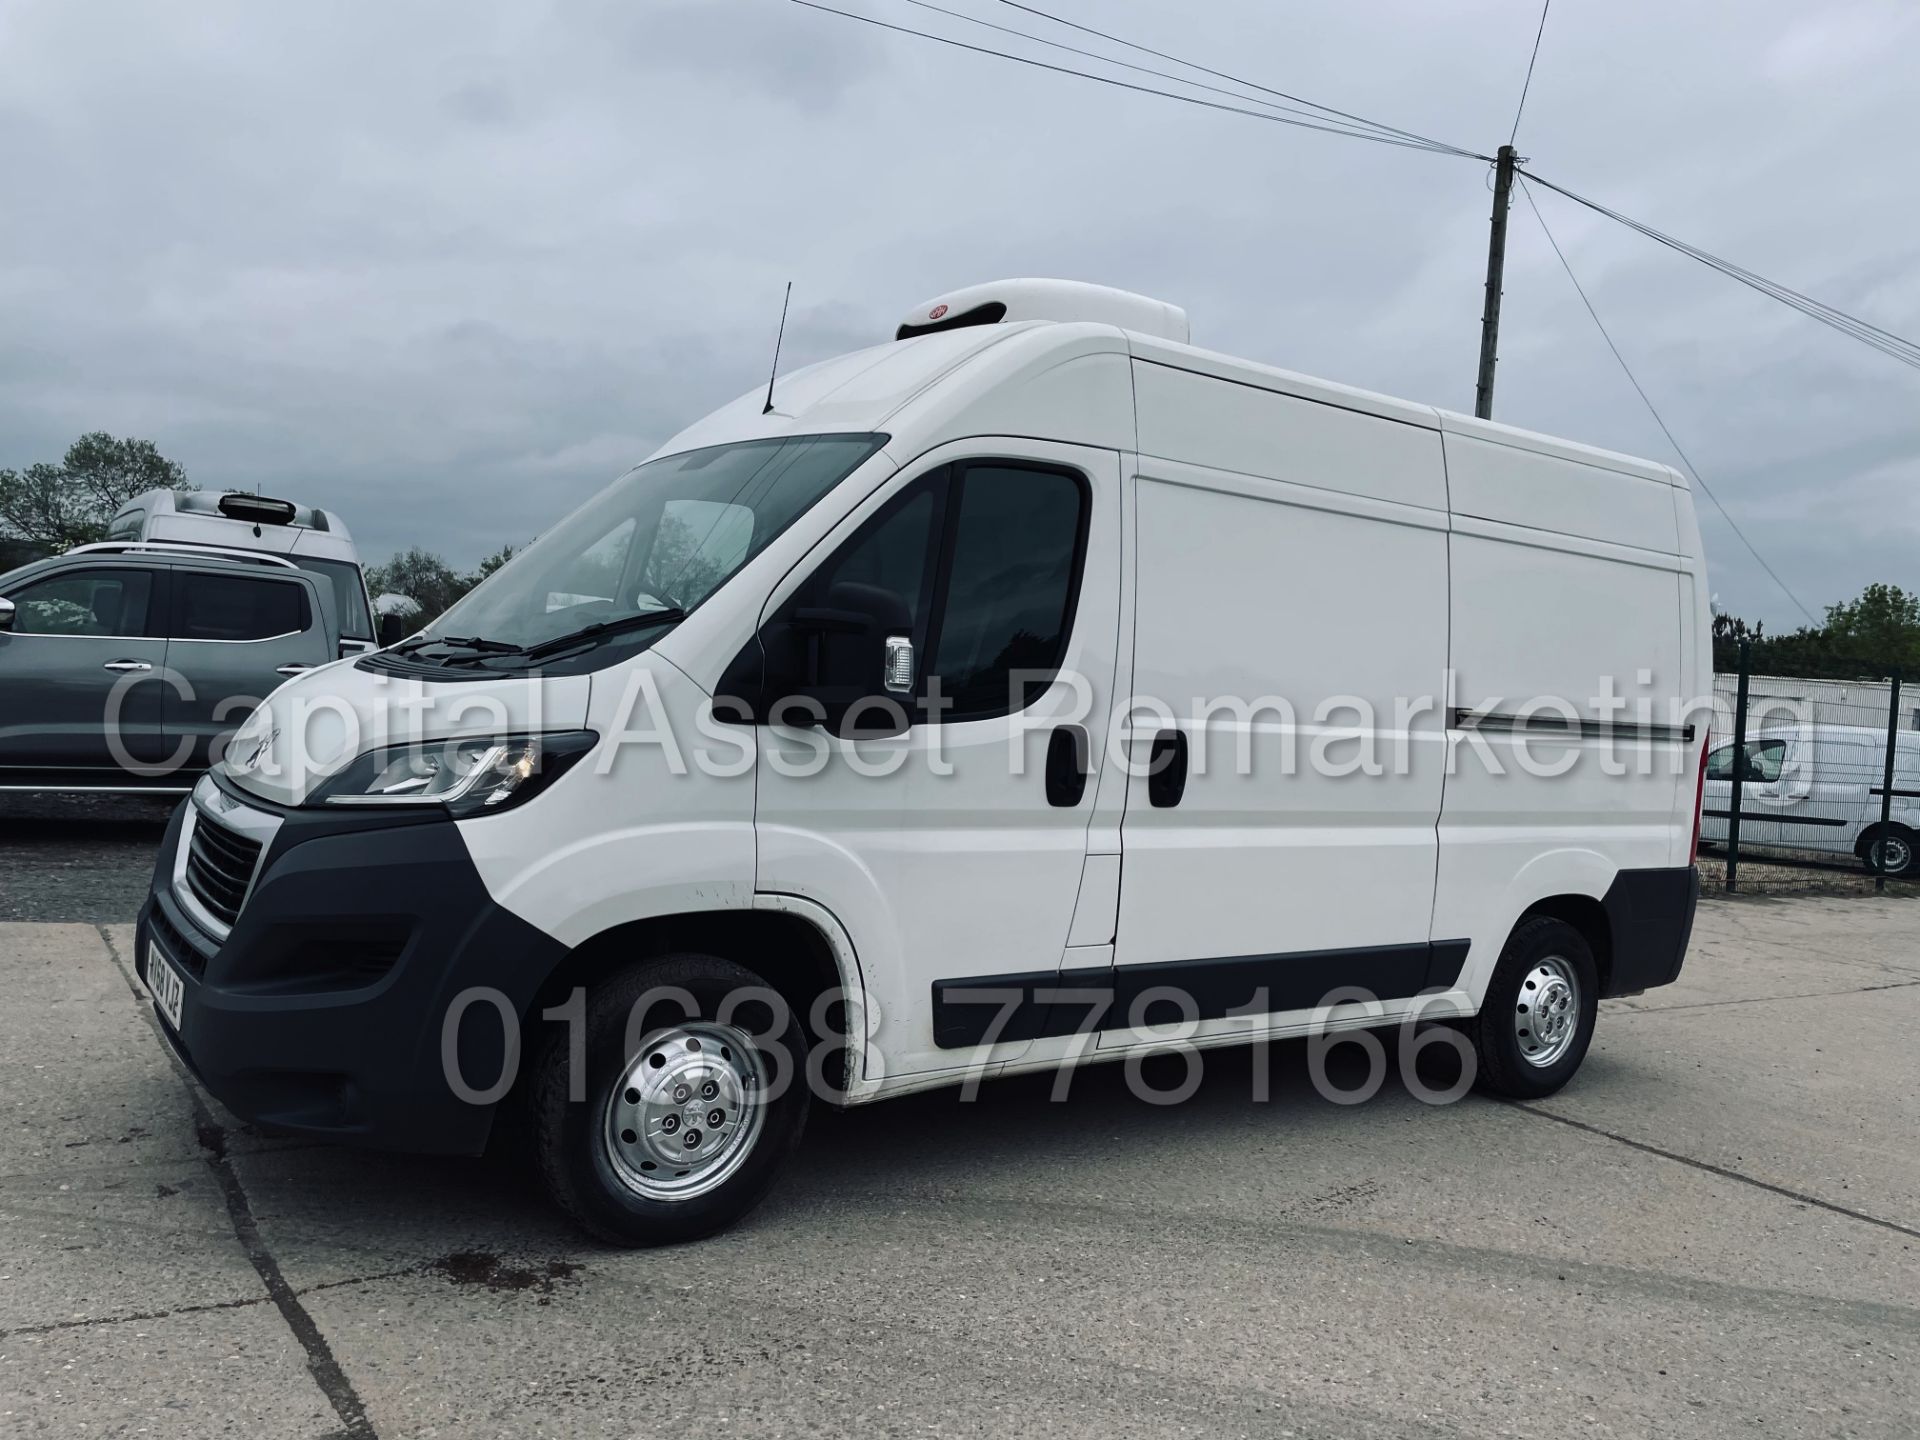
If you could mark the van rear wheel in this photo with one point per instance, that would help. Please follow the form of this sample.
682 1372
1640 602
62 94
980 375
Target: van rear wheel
1890 851
691 1101
1534 1027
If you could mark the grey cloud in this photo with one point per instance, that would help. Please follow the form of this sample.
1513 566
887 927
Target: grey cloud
449 268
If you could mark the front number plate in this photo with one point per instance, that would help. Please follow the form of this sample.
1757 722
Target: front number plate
169 987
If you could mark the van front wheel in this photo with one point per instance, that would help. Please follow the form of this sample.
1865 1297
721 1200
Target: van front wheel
1534 1027
689 1103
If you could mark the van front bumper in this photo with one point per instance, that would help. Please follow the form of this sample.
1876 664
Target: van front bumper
325 1010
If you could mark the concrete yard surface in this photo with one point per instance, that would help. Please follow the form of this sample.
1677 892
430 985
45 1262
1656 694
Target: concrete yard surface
1715 1230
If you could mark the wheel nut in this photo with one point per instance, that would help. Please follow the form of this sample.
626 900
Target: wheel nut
670 1124
716 1118
692 1140
709 1090
681 1094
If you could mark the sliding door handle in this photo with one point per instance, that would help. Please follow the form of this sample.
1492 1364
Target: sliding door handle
1167 770
1066 766
293 669
126 666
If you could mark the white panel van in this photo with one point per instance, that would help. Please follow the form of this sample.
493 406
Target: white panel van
1820 788
1033 689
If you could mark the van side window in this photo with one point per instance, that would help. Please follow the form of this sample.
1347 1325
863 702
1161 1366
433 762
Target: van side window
894 551
1762 767
235 607
1016 534
85 602
984 560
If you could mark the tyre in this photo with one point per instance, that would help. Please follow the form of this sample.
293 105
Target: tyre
1534 1027
694 1097
1890 851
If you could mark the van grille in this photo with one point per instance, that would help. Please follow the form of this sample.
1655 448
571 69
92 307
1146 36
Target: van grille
220 866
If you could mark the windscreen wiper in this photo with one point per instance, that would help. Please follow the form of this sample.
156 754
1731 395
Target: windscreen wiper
600 629
458 642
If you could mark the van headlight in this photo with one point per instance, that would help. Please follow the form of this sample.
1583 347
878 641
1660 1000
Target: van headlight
471 775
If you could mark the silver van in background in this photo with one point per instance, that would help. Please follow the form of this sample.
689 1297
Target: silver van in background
313 539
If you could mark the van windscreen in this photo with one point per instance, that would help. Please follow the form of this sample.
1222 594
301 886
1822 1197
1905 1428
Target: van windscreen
661 538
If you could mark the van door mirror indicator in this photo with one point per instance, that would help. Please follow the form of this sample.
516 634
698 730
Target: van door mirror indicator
897 671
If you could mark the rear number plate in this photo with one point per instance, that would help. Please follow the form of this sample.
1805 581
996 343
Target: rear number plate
169 987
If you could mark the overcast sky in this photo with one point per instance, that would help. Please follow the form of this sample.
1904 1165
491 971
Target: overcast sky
447 268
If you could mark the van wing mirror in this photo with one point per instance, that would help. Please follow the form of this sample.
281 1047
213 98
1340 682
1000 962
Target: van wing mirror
389 630
6 615
855 609
851 653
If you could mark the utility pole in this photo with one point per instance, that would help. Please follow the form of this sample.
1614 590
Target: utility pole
1496 274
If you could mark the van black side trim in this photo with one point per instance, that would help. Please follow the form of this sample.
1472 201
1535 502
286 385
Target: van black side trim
1037 1003
1501 722
1770 818
1902 794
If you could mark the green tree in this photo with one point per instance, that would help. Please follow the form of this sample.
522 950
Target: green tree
55 507
1883 625
1862 639
425 578
492 563
421 576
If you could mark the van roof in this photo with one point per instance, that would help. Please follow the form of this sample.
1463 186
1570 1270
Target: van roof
863 390
241 506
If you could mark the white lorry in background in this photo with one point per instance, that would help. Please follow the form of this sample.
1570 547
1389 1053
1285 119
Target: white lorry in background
313 539
1820 788
981 702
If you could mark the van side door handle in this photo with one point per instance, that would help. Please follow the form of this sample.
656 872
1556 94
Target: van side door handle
293 669
1066 766
1167 769
126 666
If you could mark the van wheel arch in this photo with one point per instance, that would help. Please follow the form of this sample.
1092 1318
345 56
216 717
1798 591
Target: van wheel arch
1589 917
790 952
1869 837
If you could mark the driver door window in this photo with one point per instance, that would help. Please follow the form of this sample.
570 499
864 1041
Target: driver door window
1761 765
1011 572
983 561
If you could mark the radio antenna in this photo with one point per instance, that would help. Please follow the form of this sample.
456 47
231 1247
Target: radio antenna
777 339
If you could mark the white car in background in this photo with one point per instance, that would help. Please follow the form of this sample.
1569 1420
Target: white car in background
1820 788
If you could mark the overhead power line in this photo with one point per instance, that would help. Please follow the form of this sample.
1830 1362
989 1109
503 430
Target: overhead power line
1527 84
1652 410
1251 85
1312 114
1899 348
1417 143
